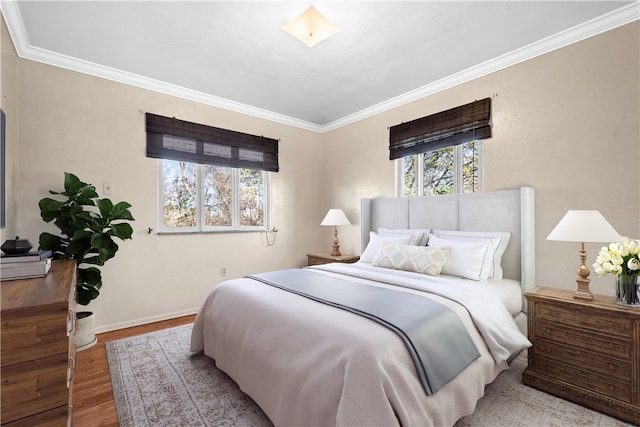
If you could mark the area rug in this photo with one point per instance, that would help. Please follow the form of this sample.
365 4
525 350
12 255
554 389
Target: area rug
157 381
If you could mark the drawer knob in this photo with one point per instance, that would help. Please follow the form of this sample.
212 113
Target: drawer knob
71 367
611 345
71 322
549 368
612 366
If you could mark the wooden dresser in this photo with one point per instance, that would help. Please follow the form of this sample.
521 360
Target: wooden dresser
585 351
38 348
325 258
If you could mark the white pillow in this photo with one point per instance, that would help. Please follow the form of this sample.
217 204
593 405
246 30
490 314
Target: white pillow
419 236
500 241
375 241
466 258
419 259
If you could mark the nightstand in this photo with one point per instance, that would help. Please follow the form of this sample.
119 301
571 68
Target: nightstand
325 258
585 351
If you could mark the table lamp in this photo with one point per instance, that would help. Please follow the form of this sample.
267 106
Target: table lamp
584 226
335 217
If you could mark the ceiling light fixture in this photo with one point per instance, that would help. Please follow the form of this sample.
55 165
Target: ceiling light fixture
311 27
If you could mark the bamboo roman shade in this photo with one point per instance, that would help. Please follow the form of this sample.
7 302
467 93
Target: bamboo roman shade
170 138
451 127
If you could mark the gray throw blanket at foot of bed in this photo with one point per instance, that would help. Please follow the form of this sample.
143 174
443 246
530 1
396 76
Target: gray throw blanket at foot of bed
435 337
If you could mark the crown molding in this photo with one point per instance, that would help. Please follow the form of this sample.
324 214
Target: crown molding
604 23
26 51
612 20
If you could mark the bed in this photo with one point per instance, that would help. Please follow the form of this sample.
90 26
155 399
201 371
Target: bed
306 362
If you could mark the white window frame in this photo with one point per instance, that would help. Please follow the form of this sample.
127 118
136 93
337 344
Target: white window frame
457 168
235 210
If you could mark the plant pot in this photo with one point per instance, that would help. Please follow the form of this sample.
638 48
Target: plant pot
85 330
628 290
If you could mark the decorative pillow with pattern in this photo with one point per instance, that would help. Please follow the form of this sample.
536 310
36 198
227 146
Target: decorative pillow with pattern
419 259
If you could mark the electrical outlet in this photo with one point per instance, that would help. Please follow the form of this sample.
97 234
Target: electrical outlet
107 188
223 271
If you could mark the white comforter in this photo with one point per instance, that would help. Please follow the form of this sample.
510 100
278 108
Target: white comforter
307 363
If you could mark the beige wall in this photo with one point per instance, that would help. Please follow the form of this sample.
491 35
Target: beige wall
94 128
565 123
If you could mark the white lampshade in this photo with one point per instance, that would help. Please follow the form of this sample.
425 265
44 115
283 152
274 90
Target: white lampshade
335 217
584 226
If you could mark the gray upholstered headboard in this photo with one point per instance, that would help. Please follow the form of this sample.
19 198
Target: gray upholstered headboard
510 211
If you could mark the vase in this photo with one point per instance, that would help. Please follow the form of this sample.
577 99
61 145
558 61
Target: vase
628 290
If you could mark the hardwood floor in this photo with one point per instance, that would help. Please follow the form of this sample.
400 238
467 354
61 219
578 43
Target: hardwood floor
92 393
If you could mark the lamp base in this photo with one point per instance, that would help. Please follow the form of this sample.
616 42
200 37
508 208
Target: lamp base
336 242
336 251
583 293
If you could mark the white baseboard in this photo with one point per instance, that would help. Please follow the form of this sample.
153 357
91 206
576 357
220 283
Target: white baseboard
145 320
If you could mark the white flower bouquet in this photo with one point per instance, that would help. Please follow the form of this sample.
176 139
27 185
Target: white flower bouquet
621 260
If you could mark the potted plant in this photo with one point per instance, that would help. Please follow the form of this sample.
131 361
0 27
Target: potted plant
88 225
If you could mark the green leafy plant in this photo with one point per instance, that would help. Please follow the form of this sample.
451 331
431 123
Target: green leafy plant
86 233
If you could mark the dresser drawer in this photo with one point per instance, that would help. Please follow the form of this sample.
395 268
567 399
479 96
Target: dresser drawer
34 386
56 417
583 360
33 337
583 340
566 371
599 322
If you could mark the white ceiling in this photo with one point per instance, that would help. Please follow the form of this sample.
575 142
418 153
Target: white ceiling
235 55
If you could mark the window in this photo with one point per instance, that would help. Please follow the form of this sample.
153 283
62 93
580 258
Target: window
198 197
210 179
441 153
448 170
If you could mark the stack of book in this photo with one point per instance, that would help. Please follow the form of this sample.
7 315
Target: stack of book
25 266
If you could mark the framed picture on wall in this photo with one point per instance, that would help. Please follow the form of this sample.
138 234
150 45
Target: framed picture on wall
2 171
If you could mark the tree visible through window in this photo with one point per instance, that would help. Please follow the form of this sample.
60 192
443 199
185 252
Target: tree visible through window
179 194
453 169
251 195
208 197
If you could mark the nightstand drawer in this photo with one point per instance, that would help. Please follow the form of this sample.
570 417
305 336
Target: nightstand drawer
567 316
580 339
323 258
569 373
585 351
316 261
583 360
